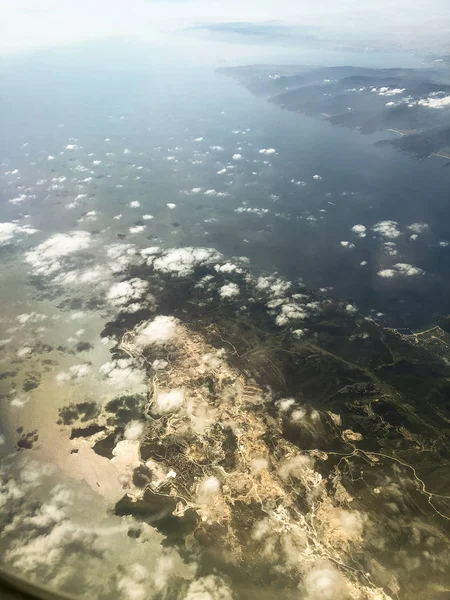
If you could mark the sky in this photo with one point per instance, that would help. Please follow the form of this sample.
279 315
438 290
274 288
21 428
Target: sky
32 24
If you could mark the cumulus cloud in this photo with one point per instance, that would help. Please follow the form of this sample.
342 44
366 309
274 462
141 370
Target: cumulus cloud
296 466
121 255
137 229
210 587
134 204
229 290
325 582
255 211
390 249
347 244
435 102
134 583
267 151
401 270
49 257
123 292
227 267
418 227
97 274
167 402
134 430
161 330
386 91
360 230
8 231
122 373
75 373
182 261
171 205
290 311
388 229
317 177
237 156
207 490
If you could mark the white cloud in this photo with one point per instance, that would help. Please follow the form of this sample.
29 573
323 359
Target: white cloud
97 274
317 177
50 157
75 373
418 227
49 256
390 249
435 102
229 290
387 273
346 244
408 270
137 229
24 351
134 204
124 291
285 404
151 251
258 465
360 230
121 256
134 583
8 231
227 267
401 270
123 374
210 587
386 91
237 157
296 466
32 317
207 490
325 582
18 199
267 151
167 402
290 311
217 148
388 229
182 261
134 430
254 211
171 205
147 217
161 330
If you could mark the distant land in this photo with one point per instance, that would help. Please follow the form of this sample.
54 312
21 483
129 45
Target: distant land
412 102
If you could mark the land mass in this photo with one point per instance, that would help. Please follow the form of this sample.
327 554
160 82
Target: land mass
413 102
